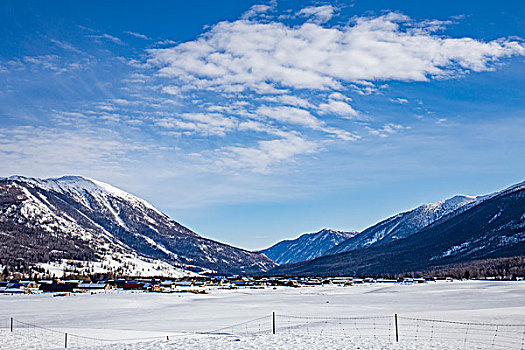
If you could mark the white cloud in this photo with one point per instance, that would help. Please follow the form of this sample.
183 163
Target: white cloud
65 46
106 107
291 115
256 10
399 100
252 125
137 35
254 55
166 42
298 116
53 63
266 154
265 82
289 100
387 130
171 90
318 14
28 150
338 107
339 96
107 37
123 101
202 123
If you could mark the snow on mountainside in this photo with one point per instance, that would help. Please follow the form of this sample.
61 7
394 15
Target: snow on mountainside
407 223
307 246
490 228
75 222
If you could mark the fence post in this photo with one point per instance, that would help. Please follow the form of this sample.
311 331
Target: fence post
273 318
65 340
11 324
397 330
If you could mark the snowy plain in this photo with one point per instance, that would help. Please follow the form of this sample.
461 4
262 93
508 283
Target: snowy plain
330 317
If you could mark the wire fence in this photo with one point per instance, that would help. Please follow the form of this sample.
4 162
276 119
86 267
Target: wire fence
374 327
21 334
488 335
260 325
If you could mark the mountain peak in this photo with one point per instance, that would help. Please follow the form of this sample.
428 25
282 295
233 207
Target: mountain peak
307 246
489 229
408 223
70 178
79 184
87 222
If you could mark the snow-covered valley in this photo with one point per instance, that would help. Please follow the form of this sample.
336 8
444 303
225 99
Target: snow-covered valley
336 317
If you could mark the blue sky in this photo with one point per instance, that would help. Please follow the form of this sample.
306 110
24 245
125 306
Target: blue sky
251 122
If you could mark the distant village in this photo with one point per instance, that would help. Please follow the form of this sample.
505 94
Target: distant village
198 285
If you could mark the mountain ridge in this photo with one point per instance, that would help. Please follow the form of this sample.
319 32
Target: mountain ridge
107 224
307 246
493 228
406 223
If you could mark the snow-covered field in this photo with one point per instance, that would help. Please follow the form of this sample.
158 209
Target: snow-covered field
332 317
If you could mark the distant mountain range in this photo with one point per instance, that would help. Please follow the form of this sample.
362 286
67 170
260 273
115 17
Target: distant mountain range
327 242
83 225
307 246
77 225
454 231
406 224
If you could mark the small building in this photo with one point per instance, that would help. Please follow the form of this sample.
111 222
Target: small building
385 280
340 281
29 284
135 285
312 282
7 290
167 284
199 283
94 286
183 283
58 287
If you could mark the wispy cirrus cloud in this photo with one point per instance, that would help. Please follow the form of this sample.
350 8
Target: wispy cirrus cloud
265 154
106 36
46 62
137 35
64 45
29 148
387 129
201 123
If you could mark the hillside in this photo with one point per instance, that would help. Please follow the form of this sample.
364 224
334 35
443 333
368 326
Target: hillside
405 224
307 246
493 228
75 223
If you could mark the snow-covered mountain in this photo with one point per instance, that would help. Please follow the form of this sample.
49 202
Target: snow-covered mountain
78 223
490 228
307 246
407 223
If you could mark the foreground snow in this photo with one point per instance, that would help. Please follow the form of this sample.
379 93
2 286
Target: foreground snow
319 317
256 342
